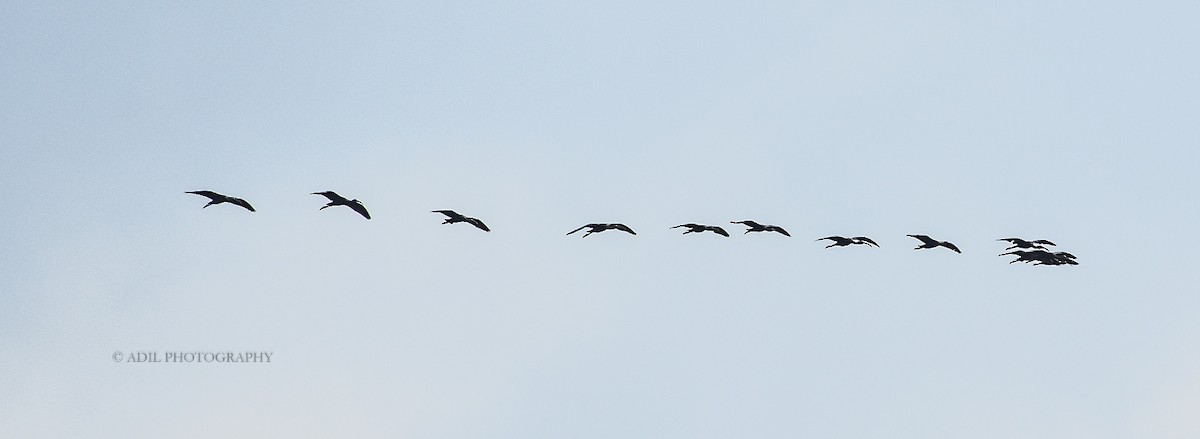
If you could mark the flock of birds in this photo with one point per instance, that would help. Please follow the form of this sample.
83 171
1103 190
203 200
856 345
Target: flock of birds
1034 251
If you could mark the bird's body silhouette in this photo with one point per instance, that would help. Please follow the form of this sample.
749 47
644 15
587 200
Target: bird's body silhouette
698 228
928 242
752 226
839 241
1042 257
338 200
1029 256
215 198
455 217
1021 243
600 227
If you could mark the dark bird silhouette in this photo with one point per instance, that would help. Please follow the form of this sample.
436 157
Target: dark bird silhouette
1021 243
756 227
338 200
1029 256
1042 257
454 217
933 243
698 228
839 241
216 198
600 227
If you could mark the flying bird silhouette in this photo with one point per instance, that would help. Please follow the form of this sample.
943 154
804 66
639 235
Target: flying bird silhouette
455 217
338 200
1029 256
699 228
756 227
839 241
600 227
1021 243
1042 257
216 198
933 243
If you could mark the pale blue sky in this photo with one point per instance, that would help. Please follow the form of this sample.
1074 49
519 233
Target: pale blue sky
968 121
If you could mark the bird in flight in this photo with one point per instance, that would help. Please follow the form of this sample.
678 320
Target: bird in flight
756 227
1042 257
216 198
1021 243
698 228
455 217
839 241
933 243
599 227
1029 256
338 200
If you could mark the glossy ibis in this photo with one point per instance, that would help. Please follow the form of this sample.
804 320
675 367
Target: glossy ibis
1021 243
756 227
600 227
698 228
839 241
338 200
933 243
455 217
216 198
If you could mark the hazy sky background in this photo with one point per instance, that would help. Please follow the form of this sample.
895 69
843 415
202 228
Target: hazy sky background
969 121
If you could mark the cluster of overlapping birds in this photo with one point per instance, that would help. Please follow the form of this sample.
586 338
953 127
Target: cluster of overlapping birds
1034 252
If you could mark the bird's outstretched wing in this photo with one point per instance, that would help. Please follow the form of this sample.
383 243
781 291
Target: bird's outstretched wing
926 239
867 240
623 228
208 194
720 231
950 246
477 223
689 225
333 196
834 238
450 214
1011 240
747 223
358 207
1043 241
778 229
241 202
1064 255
